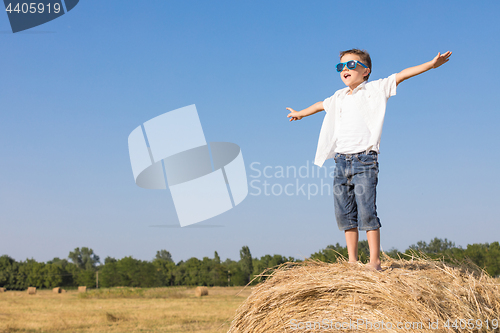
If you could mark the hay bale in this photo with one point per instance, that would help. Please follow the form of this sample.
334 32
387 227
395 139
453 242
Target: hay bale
2 290
63 290
82 289
414 295
31 290
56 290
201 291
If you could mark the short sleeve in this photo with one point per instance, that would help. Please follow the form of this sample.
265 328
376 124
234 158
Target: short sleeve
329 104
387 85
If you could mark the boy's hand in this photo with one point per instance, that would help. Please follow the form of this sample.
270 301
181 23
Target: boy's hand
412 71
293 115
440 59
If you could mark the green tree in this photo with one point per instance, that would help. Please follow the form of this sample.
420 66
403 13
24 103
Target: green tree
21 278
493 259
265 262
246 263
331 253
53 274
486 256
65 274
84 258
108 274
136 273
218 274
363 251
109 260
165 270
236 275
86 277
216 258
394 253
33 272
8 272
192 272
180 273
207 265
435 246
438 249
5 263
163 255
86 261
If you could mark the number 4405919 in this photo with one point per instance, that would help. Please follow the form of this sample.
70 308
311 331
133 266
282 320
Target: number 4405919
33 8
471 324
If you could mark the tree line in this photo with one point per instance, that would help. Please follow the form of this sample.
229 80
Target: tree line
83 266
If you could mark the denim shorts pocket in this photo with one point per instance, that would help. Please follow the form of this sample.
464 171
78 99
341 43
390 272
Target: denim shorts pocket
367 159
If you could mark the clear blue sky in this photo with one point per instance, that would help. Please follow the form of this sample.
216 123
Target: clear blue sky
73 89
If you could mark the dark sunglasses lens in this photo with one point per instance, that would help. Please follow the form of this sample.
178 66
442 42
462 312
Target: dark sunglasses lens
351 64
340 67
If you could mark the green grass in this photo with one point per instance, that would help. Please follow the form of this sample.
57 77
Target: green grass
125 292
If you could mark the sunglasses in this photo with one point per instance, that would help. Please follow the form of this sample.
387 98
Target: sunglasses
350 64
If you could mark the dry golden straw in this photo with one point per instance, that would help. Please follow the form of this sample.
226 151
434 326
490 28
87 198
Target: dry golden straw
31 290
201 291
414 295
82 289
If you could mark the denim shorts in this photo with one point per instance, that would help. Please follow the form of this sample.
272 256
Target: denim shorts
355 190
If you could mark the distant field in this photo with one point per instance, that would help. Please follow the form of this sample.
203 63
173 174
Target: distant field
174 309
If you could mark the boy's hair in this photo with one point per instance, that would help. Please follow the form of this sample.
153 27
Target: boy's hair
365 58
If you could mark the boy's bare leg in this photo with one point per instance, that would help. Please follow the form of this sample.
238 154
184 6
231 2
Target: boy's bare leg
351 239
373 237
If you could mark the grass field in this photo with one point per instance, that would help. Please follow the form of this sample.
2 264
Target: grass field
175 309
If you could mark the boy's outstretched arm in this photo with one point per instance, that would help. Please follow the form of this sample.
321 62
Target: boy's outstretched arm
412 71
297 115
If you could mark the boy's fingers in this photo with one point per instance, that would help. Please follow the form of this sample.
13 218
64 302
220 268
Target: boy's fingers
436 58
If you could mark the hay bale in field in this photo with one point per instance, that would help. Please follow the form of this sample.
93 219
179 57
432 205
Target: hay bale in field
63 290
201 291
31 290
2 290
82 289
56 290
416 295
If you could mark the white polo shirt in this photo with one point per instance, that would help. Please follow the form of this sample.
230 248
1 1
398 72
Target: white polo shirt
371 98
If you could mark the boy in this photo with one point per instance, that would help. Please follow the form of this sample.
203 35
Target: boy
351 134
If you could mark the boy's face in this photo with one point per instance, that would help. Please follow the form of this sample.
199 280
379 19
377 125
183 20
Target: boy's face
353 77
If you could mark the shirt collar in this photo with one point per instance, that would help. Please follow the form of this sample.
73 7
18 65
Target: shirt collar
361 86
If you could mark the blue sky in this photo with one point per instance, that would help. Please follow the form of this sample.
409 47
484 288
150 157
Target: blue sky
73 89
